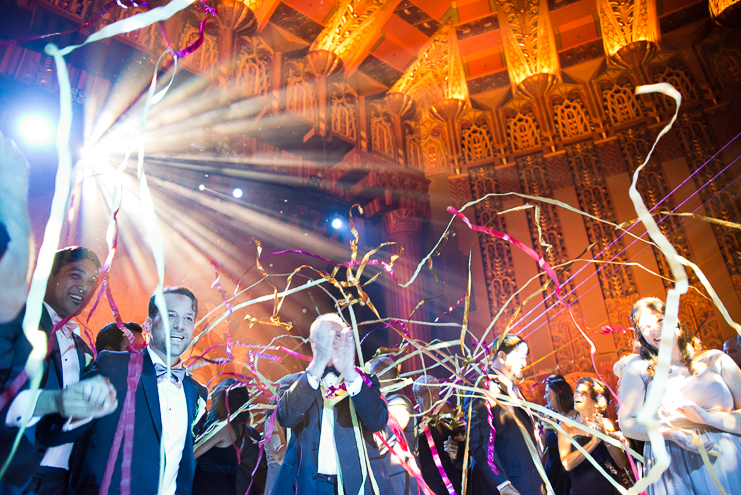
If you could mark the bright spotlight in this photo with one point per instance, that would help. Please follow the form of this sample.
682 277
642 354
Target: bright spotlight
201 187
35 129
237 192
337 223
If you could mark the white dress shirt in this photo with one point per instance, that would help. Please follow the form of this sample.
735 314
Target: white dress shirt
327 460
22 407
174 415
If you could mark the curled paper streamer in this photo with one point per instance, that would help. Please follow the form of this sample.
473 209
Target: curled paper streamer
647 415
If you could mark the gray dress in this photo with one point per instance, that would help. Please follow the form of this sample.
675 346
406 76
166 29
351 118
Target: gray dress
687 473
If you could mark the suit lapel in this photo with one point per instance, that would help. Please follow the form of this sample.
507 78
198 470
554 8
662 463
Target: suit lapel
56 356
149 384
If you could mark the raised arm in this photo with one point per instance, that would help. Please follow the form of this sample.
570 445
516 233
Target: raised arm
571 459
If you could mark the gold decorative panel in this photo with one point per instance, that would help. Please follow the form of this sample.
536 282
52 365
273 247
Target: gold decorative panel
344 111
438 72
675 73
253 73
499 270
718 195
523 130
353 29
697 310
629 29
570 116
619 101
477 143
300 96
616 280
382 136
529 43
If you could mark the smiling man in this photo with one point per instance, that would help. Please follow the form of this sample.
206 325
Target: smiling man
164 411
74 274
512 470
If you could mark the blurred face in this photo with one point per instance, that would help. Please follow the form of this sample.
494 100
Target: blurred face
513 364
70 286
551 400
182 323
649 323
426 397
733 350
583 402
337 330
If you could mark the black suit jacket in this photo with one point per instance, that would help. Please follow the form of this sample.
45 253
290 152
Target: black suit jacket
300 408
511 454
14 352
94 440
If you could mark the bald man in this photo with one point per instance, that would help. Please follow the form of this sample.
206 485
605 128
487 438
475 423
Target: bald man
732 347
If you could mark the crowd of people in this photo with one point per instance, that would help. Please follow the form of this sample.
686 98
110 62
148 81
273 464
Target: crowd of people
99 420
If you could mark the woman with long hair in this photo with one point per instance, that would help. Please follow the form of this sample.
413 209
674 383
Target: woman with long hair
590 401
218 457
700 403
560 398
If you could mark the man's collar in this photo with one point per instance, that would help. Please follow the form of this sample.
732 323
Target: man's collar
156 359
506 381
51 311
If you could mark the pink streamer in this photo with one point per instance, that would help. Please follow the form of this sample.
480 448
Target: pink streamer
438 463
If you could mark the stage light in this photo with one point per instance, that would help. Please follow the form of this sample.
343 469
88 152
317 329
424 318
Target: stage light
35 129
201 187
237 192
337 223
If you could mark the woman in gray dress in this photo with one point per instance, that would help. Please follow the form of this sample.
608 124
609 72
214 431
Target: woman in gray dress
701 401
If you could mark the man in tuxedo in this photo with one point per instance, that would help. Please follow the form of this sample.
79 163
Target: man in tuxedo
323 452
74 274
165 411
514 469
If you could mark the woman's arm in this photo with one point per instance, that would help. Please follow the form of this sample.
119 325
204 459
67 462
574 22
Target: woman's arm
618 455
632 393
729 421
571 459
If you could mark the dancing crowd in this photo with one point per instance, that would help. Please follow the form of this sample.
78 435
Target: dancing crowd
129 418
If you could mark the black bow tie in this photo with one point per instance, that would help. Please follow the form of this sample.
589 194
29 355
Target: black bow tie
330 369
177 373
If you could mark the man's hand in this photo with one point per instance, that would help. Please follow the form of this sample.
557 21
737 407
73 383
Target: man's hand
322 347
94 397
451 447
509 490
344 355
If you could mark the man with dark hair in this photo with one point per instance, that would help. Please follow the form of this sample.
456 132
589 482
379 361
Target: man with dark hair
75 273
111 338
323 455
166 409
513 470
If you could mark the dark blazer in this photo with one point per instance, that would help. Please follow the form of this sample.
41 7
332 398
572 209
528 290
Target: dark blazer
511 455
14 352
94 440
300 408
